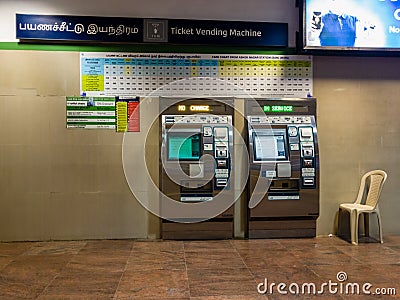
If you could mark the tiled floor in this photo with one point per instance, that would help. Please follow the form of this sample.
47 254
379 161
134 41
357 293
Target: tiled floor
197 270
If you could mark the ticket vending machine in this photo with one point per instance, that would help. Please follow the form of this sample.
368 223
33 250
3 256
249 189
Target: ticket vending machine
196 151
283 186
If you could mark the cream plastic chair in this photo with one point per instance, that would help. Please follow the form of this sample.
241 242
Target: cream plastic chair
366 203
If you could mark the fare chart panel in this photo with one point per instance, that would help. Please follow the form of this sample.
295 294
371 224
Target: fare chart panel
146 74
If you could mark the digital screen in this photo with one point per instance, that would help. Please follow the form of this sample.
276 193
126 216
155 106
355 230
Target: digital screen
195 108
278 108
270 146
351 24
183 146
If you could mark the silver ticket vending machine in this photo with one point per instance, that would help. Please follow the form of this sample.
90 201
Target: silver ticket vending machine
196 151
283 187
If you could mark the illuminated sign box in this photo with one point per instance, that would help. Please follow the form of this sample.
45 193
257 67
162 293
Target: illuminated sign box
136 30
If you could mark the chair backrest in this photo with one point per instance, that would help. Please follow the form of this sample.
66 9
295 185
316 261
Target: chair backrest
371 187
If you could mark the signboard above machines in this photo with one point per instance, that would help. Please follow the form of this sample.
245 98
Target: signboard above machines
137 30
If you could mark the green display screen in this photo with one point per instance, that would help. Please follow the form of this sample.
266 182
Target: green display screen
182 147
277 108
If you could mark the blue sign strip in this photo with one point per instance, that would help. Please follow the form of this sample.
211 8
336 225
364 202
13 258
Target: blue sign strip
136 30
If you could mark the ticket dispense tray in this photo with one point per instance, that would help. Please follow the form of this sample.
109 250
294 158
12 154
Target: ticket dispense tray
283 188
196 150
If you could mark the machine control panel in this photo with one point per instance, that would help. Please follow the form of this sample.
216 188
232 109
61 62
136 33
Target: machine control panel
221 142
300 133
307 154
188 138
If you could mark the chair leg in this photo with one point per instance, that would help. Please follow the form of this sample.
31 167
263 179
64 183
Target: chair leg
354 227
366 224
380 226
344 232
339 229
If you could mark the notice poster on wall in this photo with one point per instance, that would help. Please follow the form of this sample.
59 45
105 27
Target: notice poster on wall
127 114
163 74
90 112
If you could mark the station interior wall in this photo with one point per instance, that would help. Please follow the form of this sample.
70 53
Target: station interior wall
65 184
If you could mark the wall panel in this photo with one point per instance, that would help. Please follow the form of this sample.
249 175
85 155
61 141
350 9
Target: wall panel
57 183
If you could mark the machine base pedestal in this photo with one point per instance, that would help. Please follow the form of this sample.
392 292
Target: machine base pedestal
261 229
197 231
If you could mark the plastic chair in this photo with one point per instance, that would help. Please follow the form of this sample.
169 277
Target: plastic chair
366 203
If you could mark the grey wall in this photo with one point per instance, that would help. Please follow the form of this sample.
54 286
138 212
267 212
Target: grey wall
359 130
57 183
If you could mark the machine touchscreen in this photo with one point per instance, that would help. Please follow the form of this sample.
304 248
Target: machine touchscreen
270 146
183 146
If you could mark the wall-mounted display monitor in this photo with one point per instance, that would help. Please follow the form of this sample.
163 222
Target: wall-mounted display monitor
270 145
350 25
183 146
